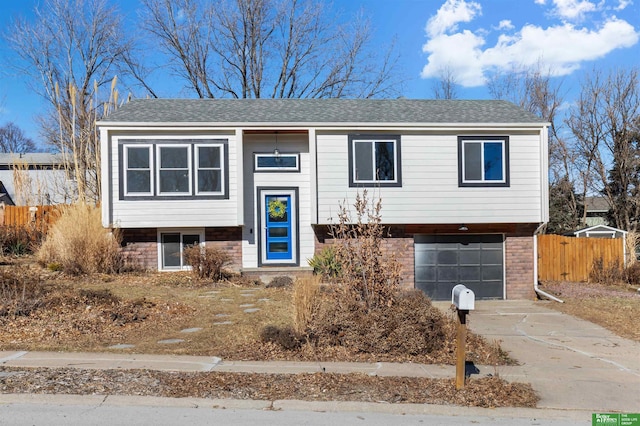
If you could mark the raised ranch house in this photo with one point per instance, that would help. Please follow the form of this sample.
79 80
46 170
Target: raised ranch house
463 183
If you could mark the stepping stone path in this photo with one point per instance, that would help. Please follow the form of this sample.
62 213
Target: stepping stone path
226 300
170 341
263 300
223 323
247 305
121 346
222 315
191 330
251 310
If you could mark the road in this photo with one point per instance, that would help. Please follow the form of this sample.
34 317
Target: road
69 414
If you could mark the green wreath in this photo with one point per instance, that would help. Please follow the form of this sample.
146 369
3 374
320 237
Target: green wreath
277 209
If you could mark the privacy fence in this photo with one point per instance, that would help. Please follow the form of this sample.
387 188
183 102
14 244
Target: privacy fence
572 259
37 216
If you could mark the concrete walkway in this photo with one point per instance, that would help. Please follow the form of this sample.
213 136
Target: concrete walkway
574 365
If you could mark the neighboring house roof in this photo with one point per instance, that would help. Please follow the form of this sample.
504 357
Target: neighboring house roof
596 204
600 230
321 111
32 159
4 195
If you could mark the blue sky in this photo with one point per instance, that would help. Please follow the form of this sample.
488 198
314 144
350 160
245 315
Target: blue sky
472 38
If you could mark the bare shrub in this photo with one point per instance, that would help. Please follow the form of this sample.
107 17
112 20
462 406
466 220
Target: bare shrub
208 262
286 336
305 301
280 281
632 273
411 325
606 274
78 242
367 274
20 294
19 240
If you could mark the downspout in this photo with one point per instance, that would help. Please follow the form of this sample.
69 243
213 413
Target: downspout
535 268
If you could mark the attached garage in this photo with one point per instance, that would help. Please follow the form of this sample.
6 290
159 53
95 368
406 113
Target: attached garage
477 261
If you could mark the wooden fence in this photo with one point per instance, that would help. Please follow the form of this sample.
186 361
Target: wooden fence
38 216
571 259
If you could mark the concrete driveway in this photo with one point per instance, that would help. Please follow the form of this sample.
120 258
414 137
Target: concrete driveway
571 363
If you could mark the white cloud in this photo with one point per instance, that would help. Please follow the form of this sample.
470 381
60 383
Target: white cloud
573 9
562 48
505 24
450 14
622 4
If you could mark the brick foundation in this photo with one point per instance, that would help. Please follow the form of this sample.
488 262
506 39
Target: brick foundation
140 246
519 260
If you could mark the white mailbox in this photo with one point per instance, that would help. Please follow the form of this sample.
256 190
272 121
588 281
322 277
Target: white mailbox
463 298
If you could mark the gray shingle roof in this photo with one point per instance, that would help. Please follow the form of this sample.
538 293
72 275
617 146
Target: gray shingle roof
303 111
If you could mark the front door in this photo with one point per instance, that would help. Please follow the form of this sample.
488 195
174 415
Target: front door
278 217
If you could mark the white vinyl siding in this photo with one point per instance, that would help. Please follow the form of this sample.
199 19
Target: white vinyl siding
430 193
169 213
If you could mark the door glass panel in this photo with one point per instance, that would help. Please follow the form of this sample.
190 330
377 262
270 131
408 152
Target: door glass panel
171 250
278 247
278 209
278 232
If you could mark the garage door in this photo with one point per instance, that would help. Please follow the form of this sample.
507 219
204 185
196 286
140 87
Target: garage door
442 261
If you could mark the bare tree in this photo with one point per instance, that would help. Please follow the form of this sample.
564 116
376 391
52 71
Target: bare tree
534 90
72 51
445 86
13 140
605 123
269 48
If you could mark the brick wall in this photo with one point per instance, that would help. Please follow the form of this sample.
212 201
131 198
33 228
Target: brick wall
140 247
229 240
519 259
398 243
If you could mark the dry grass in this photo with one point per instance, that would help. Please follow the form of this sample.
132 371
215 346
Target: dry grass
305 299
614 307
79 244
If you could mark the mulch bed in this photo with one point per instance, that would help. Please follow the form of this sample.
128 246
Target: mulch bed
486 392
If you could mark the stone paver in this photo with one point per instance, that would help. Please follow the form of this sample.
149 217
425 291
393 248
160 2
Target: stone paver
191 330
251 310
170 341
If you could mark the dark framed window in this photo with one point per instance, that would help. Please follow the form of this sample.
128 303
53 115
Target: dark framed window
174 175
374 160
137 175
276 162
174 169
483 161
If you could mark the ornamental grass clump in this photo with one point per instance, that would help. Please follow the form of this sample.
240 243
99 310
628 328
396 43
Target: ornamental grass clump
78 243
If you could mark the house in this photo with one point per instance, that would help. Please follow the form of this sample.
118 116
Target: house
463 183
596 211
32 179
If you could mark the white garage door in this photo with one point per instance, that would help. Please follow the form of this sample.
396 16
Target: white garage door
442 261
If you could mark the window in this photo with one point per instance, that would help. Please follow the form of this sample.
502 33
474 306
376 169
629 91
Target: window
209 171
483 161
172 245
174 169
374 160
137 160
174 176
277 162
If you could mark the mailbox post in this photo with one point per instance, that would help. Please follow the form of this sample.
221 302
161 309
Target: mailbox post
464 301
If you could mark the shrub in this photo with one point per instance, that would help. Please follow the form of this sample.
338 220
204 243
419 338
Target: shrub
286 336
367 274
325 264
19 240
280 281
632 273
606 274
19 293
79 244
411 325
305 301
208 262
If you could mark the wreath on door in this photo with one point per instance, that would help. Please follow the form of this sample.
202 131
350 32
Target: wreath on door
277 209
